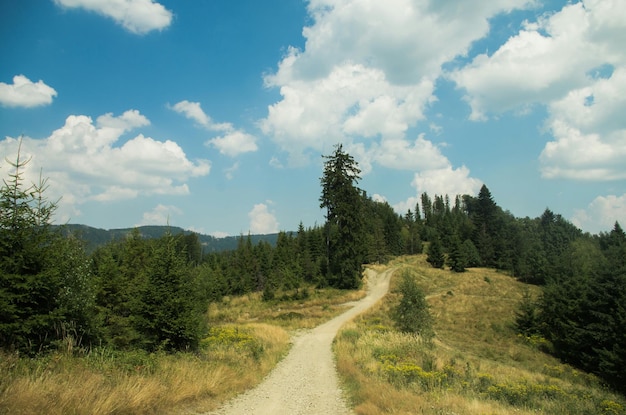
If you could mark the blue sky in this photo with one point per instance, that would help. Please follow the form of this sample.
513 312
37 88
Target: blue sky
213 115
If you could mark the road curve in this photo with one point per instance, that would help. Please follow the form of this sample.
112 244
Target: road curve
305 382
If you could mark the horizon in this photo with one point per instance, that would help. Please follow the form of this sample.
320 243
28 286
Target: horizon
214 117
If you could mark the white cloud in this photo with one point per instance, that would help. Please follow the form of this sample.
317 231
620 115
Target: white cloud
230 172
440 181
420 155
379 198
136 16
366 75
25 93
353 101
193 111
160 215
572 61
601 214
589 132
219 234
262 221
234 143
446 181
83 162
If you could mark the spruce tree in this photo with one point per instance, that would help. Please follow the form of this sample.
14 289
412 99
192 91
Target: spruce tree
345 228
436 257
411 314
171 313
45 289
457 259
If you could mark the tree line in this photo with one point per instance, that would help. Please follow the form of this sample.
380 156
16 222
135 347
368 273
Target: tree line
153 293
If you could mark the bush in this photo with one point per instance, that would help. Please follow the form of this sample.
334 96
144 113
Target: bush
411 315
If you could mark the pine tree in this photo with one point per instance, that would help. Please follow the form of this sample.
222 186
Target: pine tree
45 288
436 257
345 228
171 313
457 259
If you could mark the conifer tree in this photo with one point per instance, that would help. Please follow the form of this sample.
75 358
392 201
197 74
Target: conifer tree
411 314
457 259
45 289
436 257
344 219
170 316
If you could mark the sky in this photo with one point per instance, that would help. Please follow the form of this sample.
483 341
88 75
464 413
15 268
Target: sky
214 115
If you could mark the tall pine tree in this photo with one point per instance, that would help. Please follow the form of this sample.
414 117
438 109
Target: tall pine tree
345 226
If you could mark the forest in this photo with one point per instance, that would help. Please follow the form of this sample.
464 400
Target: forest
152 294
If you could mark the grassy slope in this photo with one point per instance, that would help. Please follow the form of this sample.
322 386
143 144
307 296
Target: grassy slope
476 364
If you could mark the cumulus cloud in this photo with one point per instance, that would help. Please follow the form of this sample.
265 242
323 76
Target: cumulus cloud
25 93
262 221
573 62
419 155
446 181
589 132
373 86
136 16
160 215
440 181
353 101
601 214
84 161
232 143
193 111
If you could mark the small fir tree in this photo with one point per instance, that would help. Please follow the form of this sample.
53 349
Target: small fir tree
412 314
435 256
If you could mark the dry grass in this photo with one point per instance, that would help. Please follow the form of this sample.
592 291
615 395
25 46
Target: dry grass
319 306
104 382
248 338
475 365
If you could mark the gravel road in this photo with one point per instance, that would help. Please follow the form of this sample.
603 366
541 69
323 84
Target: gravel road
306 381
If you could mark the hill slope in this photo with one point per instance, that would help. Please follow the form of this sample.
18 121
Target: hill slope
95 237
477 364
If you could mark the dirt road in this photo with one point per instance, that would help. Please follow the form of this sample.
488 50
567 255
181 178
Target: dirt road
306 381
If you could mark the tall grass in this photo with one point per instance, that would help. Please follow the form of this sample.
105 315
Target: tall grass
108 382
475 365
247 338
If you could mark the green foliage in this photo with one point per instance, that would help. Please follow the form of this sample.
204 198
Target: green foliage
436 257
457 259
45 287
170 313
345 226
527 317
411 314
582 309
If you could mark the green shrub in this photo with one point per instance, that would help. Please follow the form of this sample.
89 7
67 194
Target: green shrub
411 314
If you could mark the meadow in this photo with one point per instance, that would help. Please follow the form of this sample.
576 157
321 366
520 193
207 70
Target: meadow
247 337
476 363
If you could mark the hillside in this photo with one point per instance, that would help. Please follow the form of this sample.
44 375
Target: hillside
95 237
476 364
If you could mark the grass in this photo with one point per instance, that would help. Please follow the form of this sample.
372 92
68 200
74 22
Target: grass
475 365
247 338
310 310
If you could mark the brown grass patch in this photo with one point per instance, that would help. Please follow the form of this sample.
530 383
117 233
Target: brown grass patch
104 384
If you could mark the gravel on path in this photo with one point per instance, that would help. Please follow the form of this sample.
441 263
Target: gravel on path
306 380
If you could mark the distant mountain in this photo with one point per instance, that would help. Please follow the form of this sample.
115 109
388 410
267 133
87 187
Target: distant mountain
95 237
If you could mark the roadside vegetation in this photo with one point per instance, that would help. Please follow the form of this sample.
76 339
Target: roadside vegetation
477 362
155 325
248 336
